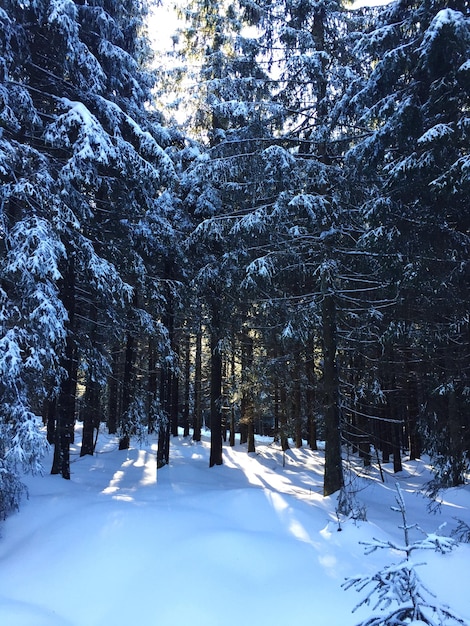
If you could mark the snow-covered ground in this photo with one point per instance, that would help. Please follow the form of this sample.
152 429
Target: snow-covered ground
250 542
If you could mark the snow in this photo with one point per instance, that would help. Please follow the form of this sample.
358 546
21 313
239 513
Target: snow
437 132
252 541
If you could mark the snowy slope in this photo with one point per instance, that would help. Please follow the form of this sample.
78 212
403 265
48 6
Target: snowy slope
249 542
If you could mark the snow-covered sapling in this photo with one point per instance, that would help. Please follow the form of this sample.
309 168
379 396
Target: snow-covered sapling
399 584
462 532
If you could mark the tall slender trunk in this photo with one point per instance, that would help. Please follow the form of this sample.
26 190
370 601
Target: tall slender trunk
412 405
247 416
310 400
90 414
127 391
114 391
187 383
168 386
333 478
283 418
297 408
90 417
232 404
152 384
163 448
216 395
65 410
197 419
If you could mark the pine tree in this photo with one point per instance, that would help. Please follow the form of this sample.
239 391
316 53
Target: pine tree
414 100
400 583
93 173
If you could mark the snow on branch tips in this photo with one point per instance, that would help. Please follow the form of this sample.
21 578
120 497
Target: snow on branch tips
399 583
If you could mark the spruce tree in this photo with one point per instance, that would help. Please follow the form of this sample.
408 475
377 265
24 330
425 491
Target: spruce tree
414 100
94 180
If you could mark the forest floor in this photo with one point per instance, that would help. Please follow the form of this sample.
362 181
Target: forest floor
249 542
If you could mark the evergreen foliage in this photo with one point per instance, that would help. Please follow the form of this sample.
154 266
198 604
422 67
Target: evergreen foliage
85 220
294 262
400 583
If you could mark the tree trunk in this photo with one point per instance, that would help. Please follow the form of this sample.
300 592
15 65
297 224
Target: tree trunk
65 414
90 417
152 385
127 390
90 414
333 478
310 401
216 397
412 414
163 447
247 415
283 418
114 391
396 448
297 409
197 419
187 382
232 404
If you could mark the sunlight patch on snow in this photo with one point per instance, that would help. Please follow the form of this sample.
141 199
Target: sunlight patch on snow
285 513
114 482
298 531
278 502
329 562
149 476
141 459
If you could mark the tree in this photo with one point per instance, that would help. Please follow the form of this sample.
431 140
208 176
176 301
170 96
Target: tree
400 583
414 100
32 316
95 174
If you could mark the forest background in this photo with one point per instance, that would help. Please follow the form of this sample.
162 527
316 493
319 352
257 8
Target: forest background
291 259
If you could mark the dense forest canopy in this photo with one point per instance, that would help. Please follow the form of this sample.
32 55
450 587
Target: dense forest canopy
290 258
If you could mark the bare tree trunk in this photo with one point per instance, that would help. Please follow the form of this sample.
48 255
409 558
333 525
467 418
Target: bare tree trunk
247 416
197 421
91 417
65 413
333 478
216 396
283 418
187 383
127 390
310 401
114 391
297 409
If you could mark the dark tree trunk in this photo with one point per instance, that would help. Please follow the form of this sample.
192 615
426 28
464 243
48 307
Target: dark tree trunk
297 409
216 397
90 417
333 478
232 406
412 412
163 449
65 414
152 385
50 412
197 420
276 411
127 391
310 401
283 418
90 414
187 382
247 415
174 403
114 391
396 448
